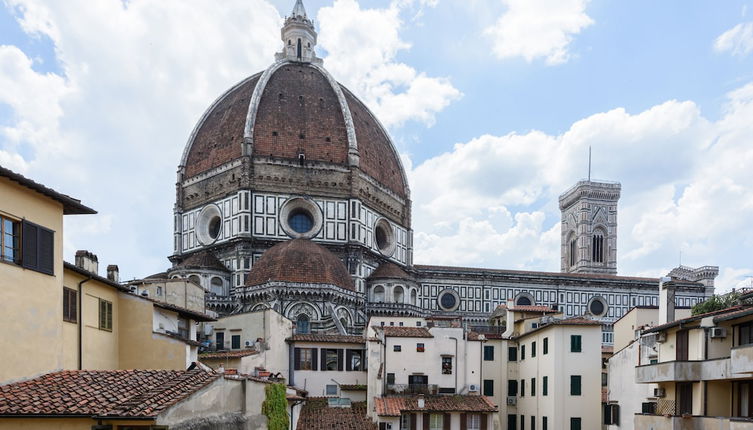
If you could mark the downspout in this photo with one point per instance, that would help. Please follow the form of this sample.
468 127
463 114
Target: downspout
291 364
456 359
81 324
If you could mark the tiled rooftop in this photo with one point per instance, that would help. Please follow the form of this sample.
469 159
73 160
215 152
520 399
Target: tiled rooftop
113 393
229 354
391 331
326 338
316 415
393 406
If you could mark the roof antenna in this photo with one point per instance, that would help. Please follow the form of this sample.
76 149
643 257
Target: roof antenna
589 163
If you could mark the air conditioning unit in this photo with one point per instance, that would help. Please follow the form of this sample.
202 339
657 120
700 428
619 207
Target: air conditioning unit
718 332
661 337
473 388
512 400
659 392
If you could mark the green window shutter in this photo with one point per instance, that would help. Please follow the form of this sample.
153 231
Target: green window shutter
546 347
575 343
533 349
574 423
522 352
512 354
545 386
575 385
533 386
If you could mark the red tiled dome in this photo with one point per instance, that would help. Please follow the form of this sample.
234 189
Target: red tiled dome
389 270
298 110
300 261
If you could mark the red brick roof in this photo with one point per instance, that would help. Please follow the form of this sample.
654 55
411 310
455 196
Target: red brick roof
316 415
112 393
326 338
228 354
393 406
391 331
389 271
300 261
202 260
71 206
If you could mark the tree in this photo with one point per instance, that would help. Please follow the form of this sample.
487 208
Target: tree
716 303
275 407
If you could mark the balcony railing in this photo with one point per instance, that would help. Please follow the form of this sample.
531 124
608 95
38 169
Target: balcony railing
412 389
742 359
489 329
659 422
679 371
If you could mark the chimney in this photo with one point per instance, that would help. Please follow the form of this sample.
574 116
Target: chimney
421 401
509 319
666 300
87 261
113 273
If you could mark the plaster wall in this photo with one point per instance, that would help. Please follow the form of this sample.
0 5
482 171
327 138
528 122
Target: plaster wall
315 381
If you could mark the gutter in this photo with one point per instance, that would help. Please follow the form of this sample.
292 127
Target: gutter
81 323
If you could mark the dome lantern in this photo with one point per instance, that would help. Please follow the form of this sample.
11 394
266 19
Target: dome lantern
298 37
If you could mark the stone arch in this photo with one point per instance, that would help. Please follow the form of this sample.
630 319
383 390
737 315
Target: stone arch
377 294
398 294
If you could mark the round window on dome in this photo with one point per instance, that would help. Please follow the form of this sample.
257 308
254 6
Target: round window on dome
214 227
597 306
448 300
209 224
301 221
301 218
384 237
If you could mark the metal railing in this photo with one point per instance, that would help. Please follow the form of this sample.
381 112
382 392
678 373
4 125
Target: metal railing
412 389
666 407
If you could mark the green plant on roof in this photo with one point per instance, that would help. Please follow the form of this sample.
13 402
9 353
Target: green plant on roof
275 407
718 302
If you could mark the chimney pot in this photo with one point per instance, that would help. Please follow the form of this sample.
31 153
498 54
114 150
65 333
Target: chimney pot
113 273
421 401
87 261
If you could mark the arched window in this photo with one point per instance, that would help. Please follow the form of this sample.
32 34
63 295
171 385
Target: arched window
195 279
573 252
299 49
344 322
398 295
379 294
597 247
302 324
413 296
217 286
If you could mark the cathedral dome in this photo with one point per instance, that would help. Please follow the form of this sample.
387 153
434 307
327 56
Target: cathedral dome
300 261
294 110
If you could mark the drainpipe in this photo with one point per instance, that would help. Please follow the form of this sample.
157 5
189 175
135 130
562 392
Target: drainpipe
81 324
291 364
456 362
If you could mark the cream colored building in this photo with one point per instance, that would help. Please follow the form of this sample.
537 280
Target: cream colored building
627 328
31 275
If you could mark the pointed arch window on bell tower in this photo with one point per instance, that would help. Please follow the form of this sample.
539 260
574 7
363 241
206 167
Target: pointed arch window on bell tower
298 51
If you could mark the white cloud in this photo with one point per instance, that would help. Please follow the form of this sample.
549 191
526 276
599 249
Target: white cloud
737 41
538 29
686 188
362 45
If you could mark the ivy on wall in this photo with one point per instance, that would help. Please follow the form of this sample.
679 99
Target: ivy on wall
275 407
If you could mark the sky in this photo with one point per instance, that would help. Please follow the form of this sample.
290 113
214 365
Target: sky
492 105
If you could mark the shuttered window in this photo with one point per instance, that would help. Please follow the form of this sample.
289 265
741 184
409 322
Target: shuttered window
105 315
575 424
304 359
488 387
70 305
546 345
575 343
533 349
37 248
488 352
512 354
545 386
512 387
575 385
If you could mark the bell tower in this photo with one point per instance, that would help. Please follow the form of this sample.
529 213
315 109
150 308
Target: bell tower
299 37
589 227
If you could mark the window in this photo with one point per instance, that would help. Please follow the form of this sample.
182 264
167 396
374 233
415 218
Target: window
488 353
235 341
574 423
37 246
604 380
10 240
488 387
545 386
105 315
419 347
379 295
533 422
611 414
397 348
302 324
436 422
533 349
522 352
219 340
304 359
546 345
405 421
533 386
512 354
681 351
331 389
447 365
330 359
390 379
512 422
544 423
575 343
573 252
522 422
745 333
70 305
522 388
354 360
512 387
473 422
575 385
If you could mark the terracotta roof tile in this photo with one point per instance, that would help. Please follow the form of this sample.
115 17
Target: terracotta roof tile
71 206
115 393
327 338
202 260
389 271
718 314
316 415
393 406
228 354
391 331
300 261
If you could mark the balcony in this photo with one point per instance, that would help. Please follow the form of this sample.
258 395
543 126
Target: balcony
742 359
660 422
412 389
684 371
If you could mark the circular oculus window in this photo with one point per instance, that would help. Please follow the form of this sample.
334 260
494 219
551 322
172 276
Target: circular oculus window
448 300
209 224
301 218
597 306
384 237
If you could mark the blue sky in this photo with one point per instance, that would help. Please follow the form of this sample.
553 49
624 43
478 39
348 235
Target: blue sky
493 104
